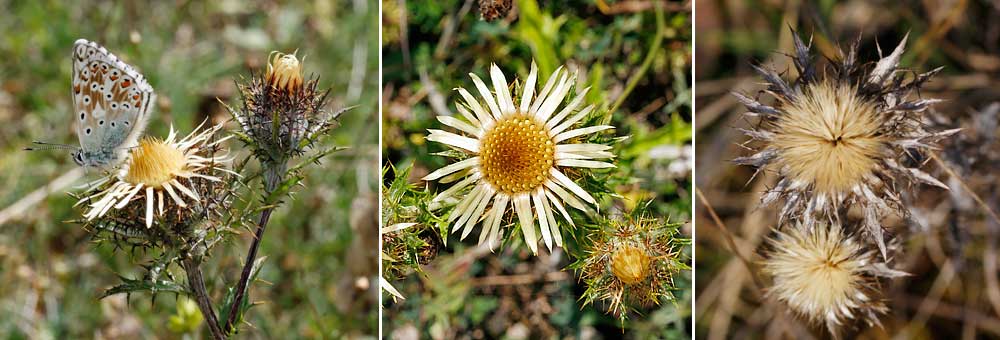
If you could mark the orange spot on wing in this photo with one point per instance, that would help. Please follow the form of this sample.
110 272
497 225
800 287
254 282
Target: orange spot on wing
113 78
126 83
136 97
76 88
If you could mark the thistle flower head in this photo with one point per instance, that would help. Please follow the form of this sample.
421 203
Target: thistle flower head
630 263
281 113
284 72
162 193
842 137
518 150
826 276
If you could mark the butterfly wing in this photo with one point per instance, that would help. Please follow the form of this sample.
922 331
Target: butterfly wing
112 103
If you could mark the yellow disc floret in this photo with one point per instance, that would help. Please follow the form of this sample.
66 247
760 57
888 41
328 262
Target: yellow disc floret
154 163
517 154
630 264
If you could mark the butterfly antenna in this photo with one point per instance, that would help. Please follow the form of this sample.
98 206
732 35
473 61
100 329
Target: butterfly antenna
49 146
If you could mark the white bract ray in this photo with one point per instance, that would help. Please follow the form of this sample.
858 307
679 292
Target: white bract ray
156 167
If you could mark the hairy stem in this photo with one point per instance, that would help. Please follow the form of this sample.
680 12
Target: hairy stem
196 283
272 177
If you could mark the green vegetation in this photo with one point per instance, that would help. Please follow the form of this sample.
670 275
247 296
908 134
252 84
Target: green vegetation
636 61
319 277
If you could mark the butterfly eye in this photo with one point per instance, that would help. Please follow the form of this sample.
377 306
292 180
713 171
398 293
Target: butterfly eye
93 86
101 122
83 115
126 123
112 124
87 131
114 106
108 95
126 106
86 99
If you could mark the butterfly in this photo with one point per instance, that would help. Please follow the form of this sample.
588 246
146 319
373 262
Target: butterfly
111 103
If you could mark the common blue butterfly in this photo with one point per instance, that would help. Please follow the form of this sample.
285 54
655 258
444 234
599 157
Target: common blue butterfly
111 105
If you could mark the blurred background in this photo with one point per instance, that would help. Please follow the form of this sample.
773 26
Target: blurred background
429 47
949 248
320 263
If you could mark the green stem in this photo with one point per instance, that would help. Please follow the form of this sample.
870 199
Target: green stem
654 49
272 177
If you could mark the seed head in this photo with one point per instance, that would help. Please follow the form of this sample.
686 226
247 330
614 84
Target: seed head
840 138
826 276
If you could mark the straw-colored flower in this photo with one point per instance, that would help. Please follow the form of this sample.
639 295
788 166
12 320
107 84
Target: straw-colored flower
518 153
842 138
284 72
826 276
155 174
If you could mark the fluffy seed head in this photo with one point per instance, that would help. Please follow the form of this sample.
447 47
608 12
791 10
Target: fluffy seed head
844 137
517 154
154 163
825 276
829 138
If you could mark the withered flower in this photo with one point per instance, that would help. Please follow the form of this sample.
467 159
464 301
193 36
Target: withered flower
842 137
826 276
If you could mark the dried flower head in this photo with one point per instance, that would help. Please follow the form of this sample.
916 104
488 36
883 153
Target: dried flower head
518 156
494 9
826 276
284 72
842 137
159 176
630 263
281 114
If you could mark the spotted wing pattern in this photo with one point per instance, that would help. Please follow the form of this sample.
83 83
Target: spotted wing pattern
111 102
